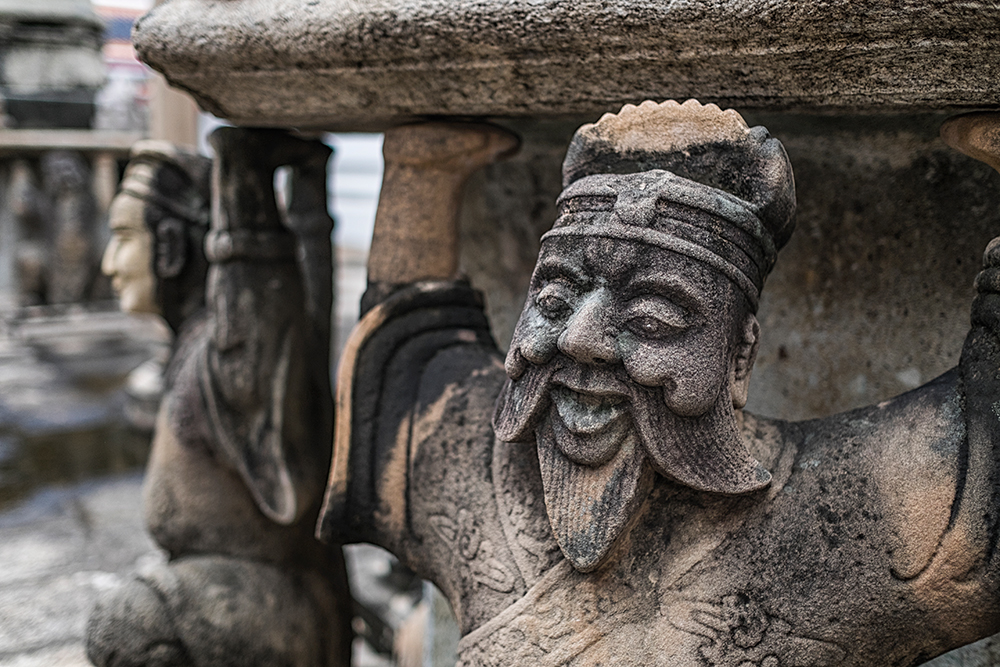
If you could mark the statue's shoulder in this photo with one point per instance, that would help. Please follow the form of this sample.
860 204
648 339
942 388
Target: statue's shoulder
897 465
414 370
419 341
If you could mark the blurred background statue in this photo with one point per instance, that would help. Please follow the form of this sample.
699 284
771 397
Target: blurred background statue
240 449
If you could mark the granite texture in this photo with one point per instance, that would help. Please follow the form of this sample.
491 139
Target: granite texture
622 509
870 296
368 65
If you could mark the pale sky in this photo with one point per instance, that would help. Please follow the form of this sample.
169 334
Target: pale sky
124 4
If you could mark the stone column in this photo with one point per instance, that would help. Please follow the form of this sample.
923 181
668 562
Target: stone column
15 178
8 242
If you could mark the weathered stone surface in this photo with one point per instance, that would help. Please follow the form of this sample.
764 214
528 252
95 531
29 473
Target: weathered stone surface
870 297
613 514
237 464
366 65
422 249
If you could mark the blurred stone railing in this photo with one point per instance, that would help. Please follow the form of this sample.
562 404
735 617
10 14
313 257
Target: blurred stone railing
55 189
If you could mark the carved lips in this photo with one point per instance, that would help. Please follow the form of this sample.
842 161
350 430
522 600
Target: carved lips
591 426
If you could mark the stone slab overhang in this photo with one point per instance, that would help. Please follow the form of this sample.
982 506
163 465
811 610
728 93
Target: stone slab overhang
368 64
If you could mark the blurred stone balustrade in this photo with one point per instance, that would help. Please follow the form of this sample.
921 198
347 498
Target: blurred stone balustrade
65 349
55 189
50 63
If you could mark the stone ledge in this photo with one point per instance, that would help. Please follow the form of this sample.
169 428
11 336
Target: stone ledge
344 64
34 141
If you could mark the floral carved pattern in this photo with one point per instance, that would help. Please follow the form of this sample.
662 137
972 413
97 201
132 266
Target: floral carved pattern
461 531
739 633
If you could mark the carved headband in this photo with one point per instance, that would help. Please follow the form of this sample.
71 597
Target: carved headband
140 188
677 214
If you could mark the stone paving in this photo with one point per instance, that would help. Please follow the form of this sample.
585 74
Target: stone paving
59 549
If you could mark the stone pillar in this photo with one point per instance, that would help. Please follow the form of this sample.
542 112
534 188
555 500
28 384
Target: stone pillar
8 242
173 115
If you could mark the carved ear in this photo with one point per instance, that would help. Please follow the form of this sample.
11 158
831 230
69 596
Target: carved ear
171 248
743 359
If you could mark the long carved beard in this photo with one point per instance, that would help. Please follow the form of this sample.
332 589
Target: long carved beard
595 482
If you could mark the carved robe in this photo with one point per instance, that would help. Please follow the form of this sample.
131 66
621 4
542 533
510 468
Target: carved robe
874 544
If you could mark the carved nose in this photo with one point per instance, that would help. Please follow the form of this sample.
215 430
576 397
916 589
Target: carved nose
108 258
587 337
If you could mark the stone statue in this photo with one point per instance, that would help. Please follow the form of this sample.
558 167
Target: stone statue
56 253
239 457
72 261
601 498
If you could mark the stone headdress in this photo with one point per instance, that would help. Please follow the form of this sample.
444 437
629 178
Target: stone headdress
721 192
178 183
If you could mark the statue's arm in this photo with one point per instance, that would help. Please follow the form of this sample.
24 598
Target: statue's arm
977 521
986 305
381 387
414 309
979 386
262 370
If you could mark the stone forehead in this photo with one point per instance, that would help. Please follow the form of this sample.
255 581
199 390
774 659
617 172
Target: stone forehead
660 209
636 198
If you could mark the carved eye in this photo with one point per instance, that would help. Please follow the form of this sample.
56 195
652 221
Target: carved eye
553 301
655 318
650 327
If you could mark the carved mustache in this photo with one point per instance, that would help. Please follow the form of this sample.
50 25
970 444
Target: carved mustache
705 453
525 397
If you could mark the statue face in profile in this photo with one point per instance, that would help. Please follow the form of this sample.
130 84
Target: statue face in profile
636 342
128 258
158 221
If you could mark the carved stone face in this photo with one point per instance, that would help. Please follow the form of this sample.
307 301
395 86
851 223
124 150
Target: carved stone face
628 358
128 258
605 303
666 318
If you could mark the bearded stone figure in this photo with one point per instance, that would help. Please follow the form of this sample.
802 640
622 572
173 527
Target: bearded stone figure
601 498
238 460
